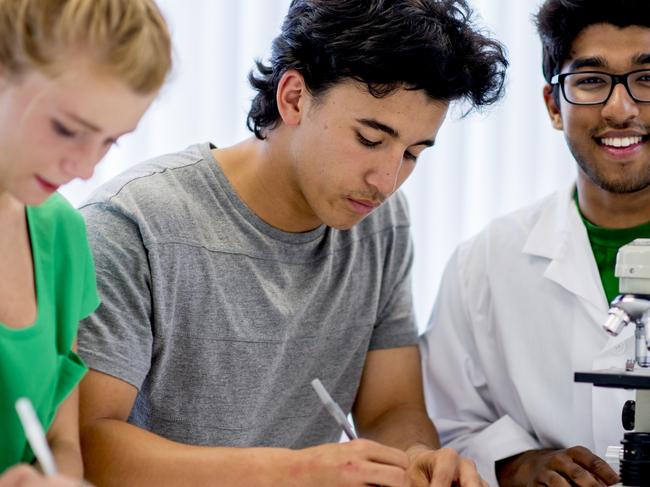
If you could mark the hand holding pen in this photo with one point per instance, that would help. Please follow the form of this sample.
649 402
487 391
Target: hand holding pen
365 461
25 475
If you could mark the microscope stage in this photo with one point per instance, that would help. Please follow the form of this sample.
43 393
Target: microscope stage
639 378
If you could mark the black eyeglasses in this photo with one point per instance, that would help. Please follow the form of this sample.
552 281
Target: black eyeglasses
595 87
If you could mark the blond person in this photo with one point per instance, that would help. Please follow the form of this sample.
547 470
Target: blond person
75 75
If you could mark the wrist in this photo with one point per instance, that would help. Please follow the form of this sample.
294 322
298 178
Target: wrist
287 468
514 470
263 467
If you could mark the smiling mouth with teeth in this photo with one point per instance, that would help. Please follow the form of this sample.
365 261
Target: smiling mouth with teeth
622 142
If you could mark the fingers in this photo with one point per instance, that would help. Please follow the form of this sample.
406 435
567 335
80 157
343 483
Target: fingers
594 464
27 476
384 475
574 466
18 476
446 467
551 478
382 465
568 468
468 475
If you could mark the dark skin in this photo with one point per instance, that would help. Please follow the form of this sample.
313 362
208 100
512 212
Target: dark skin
570 466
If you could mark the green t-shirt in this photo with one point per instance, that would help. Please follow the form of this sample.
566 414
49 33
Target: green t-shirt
37 362
605 243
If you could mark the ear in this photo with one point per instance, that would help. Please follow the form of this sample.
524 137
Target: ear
553 110
290 97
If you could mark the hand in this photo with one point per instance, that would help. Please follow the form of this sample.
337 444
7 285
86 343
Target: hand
356 463
441 468
557 468
27 476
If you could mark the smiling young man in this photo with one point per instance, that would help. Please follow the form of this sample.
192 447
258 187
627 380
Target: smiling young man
231 278
521 305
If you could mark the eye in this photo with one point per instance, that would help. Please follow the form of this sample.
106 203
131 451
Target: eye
366 142
590 81
410 156
62 130
110 142
643 78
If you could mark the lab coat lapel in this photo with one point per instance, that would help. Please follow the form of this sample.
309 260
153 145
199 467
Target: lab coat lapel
560 236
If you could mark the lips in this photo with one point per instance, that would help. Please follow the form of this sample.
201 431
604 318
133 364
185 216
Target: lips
362 207
46 185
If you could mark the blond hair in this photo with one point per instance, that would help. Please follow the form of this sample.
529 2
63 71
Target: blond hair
125 38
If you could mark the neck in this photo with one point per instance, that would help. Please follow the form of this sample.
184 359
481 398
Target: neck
613 210
261 172
8 203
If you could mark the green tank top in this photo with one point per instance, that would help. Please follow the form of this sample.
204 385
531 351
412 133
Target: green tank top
605 243
37 362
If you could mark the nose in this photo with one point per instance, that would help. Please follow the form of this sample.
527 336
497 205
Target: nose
620 108
385 176
81 163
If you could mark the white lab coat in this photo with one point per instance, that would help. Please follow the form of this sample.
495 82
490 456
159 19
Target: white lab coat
519 310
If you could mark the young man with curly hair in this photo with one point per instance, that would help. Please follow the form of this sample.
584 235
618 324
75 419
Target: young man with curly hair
230 278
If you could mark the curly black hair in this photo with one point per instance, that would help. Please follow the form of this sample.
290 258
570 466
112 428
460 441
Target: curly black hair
431 45
559 22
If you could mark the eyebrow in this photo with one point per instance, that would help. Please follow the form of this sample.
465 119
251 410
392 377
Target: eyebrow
93 127
600 62
643 58
588 62
83 122
377 125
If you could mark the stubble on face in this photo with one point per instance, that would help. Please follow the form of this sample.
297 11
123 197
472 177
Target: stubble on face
623 182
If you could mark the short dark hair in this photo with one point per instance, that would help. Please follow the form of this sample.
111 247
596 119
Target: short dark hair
418 44
559 22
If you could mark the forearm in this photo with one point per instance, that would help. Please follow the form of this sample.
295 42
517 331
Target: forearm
67 456
119 454
404 427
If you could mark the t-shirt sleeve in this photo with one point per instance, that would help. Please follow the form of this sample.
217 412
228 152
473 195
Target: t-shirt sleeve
395 326
117 339
89 297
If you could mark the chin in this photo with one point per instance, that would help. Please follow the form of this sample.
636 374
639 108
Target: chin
32 198
343 224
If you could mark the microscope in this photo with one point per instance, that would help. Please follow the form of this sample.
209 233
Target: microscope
631 307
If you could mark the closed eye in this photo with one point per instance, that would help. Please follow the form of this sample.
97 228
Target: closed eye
366 142
410 156
62 130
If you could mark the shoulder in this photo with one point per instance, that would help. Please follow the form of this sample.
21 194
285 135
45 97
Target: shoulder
57 217
152 183
504 238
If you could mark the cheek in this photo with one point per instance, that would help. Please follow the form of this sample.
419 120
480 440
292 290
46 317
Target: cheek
405 171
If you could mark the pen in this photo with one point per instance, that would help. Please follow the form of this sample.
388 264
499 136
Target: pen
333 408
35 435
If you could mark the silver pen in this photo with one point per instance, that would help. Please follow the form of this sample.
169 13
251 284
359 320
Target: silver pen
334 409
35 435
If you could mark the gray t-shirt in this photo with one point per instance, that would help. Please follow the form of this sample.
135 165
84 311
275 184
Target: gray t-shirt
221 321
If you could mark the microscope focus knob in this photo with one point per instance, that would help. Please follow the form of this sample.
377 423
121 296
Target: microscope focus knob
627 417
